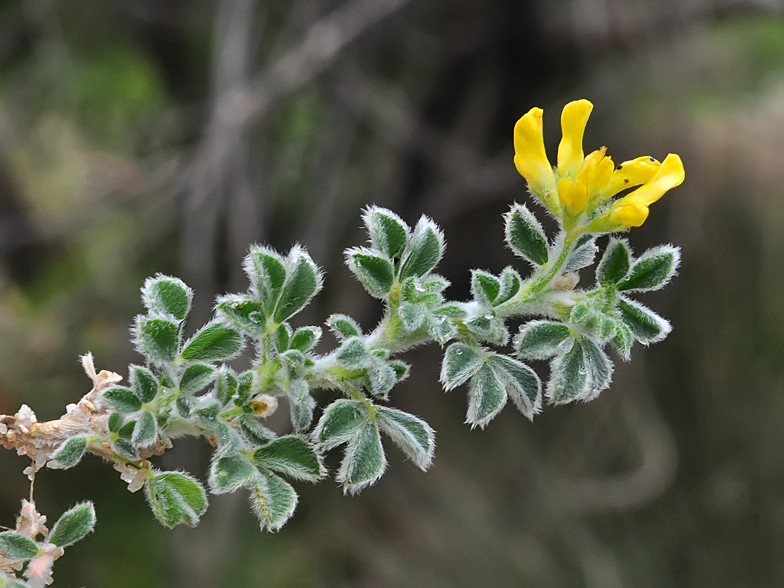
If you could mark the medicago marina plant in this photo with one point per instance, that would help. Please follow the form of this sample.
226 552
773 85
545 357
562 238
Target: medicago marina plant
189 387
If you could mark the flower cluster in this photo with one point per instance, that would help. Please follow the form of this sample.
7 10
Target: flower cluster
579 190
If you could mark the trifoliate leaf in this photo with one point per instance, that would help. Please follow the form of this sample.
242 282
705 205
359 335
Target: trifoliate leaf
340 422
14 545
272 498
653 270
364 461
196 376
540 339
122 399
525 235
213 342
424 251
374 272
158 338
521 383
615 263
486 397
303 281
460 363
293 456
229 472
413 435
175 498
388 232
74 525
167 296
70 452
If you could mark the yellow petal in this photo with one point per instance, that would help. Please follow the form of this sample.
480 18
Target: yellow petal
530 157
630 174
631 215
573 195
570 151
668 176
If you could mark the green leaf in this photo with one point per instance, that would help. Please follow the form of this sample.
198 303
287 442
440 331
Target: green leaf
74 525
412 316
157 338
144 383
122 399
195 377
301 404
540 339
521 383
388 232
294 363
489 328
244 388
254 432
230 472
374 272
510 286
581 255
213 342
460 363
124 448
400 369
283 336
70 452
581 313
452 311
343 326
340 422
485 287
653 270
167 296
424 251
615 263
598 366
115 422
293 456
267 273
146 430
184 406
646 325
413 435
623 340
306 338
569 377
364 462
525 235
486 397
175 498
303 281
352 353
14 545
380 378
246 314
273 499
226 385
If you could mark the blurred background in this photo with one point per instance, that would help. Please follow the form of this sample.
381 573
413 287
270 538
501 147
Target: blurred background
168 135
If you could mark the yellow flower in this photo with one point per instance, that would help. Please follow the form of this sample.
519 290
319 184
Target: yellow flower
580 184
